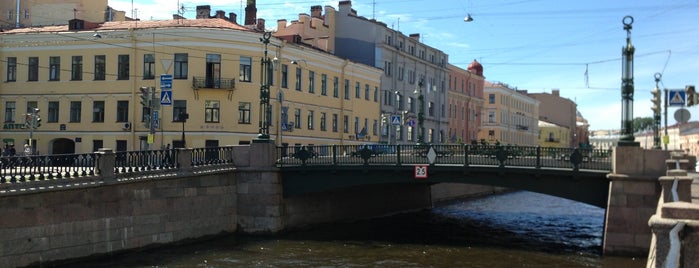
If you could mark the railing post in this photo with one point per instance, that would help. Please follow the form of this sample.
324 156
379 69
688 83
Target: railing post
466 151
184 159
398 162
105 165
538 157
334 147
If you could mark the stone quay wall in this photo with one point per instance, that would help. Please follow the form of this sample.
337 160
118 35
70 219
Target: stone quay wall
107 213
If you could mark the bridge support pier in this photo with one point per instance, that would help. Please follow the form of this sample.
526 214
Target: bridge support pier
634 192
259 192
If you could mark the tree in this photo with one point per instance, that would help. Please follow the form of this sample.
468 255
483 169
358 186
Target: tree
642 123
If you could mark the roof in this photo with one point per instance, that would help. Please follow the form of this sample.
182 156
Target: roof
148 24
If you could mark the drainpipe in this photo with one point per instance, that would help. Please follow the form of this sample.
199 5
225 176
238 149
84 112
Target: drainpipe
17 14
342 102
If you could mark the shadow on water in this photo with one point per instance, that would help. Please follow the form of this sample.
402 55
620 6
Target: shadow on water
519 229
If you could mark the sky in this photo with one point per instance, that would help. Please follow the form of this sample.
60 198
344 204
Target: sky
533 45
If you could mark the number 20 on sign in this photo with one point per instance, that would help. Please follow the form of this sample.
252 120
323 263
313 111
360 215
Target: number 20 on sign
421 172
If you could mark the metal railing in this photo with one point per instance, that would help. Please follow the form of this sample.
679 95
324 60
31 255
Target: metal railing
465 155
209 82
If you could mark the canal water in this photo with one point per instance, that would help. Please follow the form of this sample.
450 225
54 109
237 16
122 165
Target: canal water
518 229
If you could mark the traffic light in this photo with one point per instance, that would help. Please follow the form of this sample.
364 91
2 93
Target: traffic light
384 119
691 95
657 108
37 121
145 96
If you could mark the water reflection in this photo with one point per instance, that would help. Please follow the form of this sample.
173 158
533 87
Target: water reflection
519 229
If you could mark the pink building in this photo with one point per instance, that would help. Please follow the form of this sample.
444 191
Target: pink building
465 102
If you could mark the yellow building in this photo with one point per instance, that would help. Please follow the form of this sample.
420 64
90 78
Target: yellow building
509 116
51 12
86 81
552 135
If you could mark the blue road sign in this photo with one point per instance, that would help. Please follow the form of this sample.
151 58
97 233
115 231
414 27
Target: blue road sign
165 98
395 120
166 81
411 122
676 98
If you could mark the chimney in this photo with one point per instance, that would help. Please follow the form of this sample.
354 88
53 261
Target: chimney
415 36
261 24
220 14
203 12
316 11
556 92
345 7
250 13
233 17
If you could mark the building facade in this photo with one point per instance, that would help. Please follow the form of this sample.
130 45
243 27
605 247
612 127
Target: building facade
86 80
465 102
26 13
552 135
509 116
411 68
558 110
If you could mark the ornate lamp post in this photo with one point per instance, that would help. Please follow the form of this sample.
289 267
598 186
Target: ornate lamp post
420 113
657 108
265 81
627 138
183 118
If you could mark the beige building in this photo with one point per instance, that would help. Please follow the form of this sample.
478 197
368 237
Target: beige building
86 79
558 110
32 13
509 116
465 102
552 135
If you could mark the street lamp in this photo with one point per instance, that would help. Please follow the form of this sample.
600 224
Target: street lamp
421 112
265 81
627 88
32 121
183 116
657 109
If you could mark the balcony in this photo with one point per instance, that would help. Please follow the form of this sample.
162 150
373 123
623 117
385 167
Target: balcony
208 82
522 127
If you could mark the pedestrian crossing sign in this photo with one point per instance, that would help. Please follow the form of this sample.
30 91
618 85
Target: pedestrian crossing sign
677 98
395 120
165 98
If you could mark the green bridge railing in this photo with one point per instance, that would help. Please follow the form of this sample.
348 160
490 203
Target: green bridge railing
466 155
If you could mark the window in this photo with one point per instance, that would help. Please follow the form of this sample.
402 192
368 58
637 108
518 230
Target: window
347 90
285 76
401 73
399 101
375 127
123 67
491 98
430 108
357 90
149 66
98 112
336 87
356 125
387 68
411 104
9 112
33 69
334 122
367 92
311 82
376 94
181 65
211 111
11 69
324 84
100 67
54 68
491 117
76 70
122 114
97 145
345 124
245 69
31 105
178 107
75 111
244 113
298 79
310 119
297 118
53 112
323 123
213 70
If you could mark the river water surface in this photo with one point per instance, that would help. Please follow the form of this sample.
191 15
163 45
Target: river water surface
519 229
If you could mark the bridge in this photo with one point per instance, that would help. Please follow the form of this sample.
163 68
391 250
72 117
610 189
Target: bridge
574 174
71 206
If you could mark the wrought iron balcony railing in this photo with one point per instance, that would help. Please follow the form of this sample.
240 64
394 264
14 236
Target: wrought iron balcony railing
209 82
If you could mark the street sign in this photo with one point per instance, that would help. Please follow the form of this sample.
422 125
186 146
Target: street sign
411 123
165 98
677 98
156 119
421 172
166 81
682 115
395 120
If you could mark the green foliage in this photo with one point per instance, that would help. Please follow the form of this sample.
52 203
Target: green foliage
643 123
